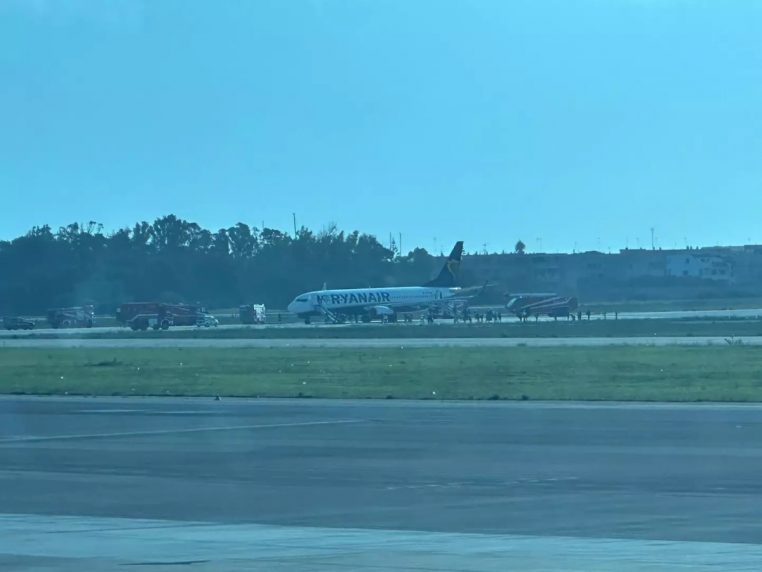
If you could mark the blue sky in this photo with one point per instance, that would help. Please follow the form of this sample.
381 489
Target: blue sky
568 124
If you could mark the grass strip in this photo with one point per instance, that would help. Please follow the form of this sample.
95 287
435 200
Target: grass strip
713 373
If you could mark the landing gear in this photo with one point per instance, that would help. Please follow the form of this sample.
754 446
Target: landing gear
307 320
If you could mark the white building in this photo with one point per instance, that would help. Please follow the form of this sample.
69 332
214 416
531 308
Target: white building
706 267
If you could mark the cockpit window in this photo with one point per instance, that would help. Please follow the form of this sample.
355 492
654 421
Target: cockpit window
302 299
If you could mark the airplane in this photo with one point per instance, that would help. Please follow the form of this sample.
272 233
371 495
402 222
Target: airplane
384 303
539 304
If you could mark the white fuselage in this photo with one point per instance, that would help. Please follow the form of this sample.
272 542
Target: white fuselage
378 300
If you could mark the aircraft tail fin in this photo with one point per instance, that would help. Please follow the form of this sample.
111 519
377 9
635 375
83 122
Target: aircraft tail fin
448 276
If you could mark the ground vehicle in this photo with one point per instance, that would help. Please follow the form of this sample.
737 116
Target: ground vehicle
16 323
207 321
177 314
537 304
126 312
73 317
252 314
145 321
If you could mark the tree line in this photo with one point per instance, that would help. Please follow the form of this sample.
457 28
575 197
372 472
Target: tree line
174 260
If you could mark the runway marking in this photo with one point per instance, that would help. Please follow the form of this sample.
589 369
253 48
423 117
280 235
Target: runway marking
123 541
654 341
111 410
482 484
38 438
153 411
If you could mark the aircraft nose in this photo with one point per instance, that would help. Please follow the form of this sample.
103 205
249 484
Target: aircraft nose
292 307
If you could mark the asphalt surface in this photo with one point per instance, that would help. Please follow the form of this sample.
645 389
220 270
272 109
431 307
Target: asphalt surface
746 313
124 330
325 485
375 342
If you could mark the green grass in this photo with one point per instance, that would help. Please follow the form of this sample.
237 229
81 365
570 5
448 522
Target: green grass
712 373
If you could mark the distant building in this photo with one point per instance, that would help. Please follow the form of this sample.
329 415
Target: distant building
705 267
630 274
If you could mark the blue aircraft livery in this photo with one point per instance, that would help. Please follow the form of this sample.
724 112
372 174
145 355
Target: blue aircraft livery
355 297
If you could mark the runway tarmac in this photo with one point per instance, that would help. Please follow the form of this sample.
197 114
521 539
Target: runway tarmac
44 329
75 332
25 342
102 483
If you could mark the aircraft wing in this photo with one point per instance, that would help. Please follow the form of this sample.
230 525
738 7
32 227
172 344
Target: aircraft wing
533 304
471 292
